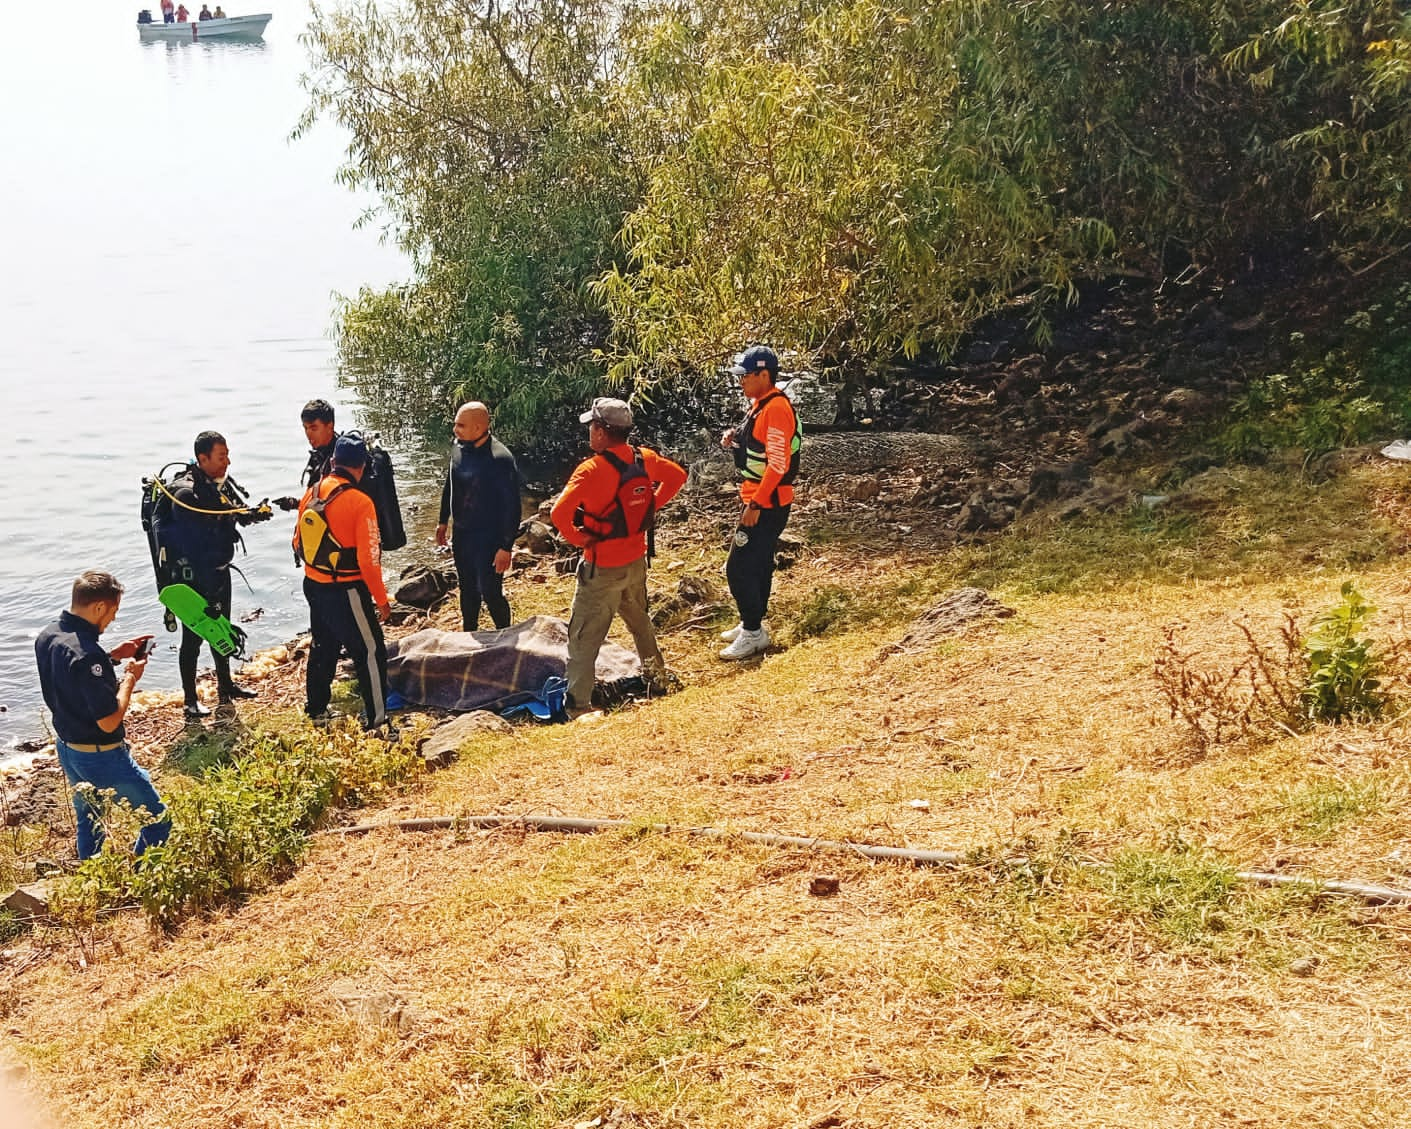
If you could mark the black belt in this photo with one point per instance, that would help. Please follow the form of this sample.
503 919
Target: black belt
76 747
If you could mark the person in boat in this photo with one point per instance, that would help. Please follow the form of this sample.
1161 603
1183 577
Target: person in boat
219 13
205 13
168 12
182 15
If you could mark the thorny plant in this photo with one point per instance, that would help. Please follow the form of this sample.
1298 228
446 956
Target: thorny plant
1263 690
1332 673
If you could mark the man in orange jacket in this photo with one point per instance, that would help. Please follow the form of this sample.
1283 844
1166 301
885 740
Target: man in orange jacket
601 511
766 448
342 556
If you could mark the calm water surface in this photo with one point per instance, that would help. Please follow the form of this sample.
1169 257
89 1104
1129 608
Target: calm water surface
170 260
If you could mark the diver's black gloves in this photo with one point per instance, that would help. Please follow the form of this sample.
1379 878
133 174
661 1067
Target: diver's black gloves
286 503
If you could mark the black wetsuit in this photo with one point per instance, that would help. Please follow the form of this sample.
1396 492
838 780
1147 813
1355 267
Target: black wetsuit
480 498
202 545
320 464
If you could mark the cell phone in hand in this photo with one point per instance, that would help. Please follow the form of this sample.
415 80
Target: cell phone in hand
145 648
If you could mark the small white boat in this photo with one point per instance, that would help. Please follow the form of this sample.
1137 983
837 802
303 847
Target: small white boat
231 27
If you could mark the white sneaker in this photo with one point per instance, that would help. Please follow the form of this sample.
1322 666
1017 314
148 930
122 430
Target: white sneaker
747 643
731 635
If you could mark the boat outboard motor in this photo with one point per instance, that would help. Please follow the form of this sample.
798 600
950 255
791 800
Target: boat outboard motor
144 16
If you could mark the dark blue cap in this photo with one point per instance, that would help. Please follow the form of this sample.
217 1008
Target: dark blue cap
350 452
756 358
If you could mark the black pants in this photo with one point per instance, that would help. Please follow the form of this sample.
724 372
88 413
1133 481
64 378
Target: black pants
475 566
750 567
216 590
344 615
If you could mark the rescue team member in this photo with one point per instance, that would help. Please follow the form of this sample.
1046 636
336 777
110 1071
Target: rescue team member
480 501
766 449
317 418
343 584
207 506
88 702
612 576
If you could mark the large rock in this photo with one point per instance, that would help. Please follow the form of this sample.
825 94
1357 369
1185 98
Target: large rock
863 452
444 743
539 537
952 615
30 901
421 587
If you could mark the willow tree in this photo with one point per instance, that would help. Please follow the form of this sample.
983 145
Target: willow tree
1340 75
866 178
484 130
839 185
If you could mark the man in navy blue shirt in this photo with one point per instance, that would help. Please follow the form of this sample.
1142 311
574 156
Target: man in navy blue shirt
88 702
480 503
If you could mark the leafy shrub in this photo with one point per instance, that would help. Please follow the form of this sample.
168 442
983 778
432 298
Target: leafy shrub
1342 397
1343 670
1330 674
243 826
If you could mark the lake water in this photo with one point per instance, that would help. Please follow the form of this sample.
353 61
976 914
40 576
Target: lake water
170 260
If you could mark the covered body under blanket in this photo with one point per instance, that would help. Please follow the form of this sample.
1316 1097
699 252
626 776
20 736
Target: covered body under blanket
473 670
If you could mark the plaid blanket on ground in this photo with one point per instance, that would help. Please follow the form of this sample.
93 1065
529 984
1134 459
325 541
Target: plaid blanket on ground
475 670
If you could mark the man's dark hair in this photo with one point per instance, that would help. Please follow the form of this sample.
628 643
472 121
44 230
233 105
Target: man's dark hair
93 586
320 410
618 435
208 441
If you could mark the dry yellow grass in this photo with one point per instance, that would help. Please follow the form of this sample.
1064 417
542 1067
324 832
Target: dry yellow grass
639 979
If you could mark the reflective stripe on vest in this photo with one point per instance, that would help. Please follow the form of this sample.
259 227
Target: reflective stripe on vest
752 456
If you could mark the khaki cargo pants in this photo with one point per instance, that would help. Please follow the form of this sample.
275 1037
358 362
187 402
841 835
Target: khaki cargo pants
600 594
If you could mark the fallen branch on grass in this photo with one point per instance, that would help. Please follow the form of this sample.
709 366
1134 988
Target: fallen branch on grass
1366 891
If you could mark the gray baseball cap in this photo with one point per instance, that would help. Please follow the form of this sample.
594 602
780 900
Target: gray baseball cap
613 413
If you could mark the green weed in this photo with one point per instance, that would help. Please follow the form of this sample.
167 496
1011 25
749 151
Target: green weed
244 825
1320 807
1344 680
823 610
1339 397
1184 895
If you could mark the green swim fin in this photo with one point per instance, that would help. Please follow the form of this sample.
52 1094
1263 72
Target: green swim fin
189 606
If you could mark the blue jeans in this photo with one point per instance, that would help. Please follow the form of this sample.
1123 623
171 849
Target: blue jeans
114 771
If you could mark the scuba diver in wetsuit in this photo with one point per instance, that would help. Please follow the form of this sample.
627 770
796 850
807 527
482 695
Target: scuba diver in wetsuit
207 507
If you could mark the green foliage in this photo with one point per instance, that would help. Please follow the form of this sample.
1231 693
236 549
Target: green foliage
1344 681
1180 892
824 609
1329 674
244 825
485 133
1337 80
593 190
1321 806
12 925
1342 396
